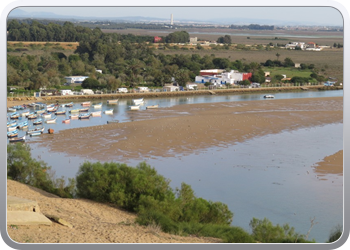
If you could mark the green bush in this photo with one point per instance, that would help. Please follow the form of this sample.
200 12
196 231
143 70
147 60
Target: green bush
335 234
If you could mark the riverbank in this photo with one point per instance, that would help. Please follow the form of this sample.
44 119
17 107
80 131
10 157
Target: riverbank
13 101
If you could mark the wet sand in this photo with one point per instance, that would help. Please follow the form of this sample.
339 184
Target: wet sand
185 129
332 164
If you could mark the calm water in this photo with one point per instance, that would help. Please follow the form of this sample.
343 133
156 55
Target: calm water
262 177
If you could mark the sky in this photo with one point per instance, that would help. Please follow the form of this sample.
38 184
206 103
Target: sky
308 15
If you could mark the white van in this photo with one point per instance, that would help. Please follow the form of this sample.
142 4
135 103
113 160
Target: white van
122 90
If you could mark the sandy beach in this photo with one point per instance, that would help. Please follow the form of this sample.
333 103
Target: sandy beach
182 129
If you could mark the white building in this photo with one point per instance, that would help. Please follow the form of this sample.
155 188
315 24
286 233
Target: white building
142 89
87 92
122 90
75 79
232 77
66 92
171 88
293 45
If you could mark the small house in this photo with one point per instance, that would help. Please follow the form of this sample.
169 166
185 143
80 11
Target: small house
66 92
142 89
122 90
171 88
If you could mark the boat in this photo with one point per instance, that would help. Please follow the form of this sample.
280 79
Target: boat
152 107
35 130
18 139
85 103
74 111
11 123
135 107
74 116
61 112
11 109
96 113
12 134
51 107
14 115
35 133
66 121
19 107
84 110
25 114
23 125
97 106
32 116
85 116
113 121
53 120
138 101
39 105
12 128
68 104
112 101
108 111
40 111
269 96
46 115
38 121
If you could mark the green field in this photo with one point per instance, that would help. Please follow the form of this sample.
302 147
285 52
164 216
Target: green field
288 72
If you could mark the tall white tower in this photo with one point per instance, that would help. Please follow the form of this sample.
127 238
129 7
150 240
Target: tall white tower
171 20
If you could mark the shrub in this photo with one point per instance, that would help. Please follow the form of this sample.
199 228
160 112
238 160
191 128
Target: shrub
335 234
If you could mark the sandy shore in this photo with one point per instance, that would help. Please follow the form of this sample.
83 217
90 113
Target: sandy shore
185 129
177 130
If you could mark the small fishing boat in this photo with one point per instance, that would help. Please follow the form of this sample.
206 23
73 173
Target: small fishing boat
85 103
51 107
74 111
14 115
12 128
46 115
84 110
138 101
68 104
135 107
53 120
85 116
23 125
108 111
152 107
39 105
11 109
112 101
12 134
38 121
11 123
97 106
40 111
113 121
19 107
74 116
66 121
35 130
35 133
32 116
61 112
18 139
269 96
96 113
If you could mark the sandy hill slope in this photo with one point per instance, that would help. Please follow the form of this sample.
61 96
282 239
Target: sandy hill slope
91 222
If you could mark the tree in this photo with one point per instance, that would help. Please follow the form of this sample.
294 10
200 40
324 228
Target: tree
278 56
182 77
288 62
245 82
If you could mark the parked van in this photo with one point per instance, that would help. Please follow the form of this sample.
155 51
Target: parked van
87 92
122 90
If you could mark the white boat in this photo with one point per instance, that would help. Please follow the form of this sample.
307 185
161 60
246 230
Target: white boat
108 112
12 128
112 101
11 109
269 96
152 107
138 101
96 113
36 130
134 107
97 106
53 120
40 111
46 116
74 116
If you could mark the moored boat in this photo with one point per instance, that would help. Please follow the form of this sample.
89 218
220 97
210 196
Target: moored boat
35 133
22 125
152 107
134 107
85 103
108 111
97 106
11 109
32 116
12 128
96 113
112 101
40 111
85 116
46 115
74 111
84 110
138 101
18 139
61 112
68 104
66 121
53 120
12 134
38 121
74 116
41 129
269 96
14 115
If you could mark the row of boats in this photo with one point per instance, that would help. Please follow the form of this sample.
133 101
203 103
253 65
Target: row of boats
138 102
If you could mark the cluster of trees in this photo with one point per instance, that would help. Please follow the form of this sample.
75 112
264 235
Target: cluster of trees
224 39
178 37
252 27
142 190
